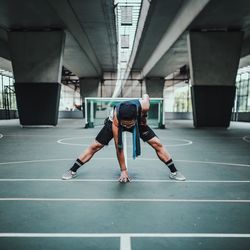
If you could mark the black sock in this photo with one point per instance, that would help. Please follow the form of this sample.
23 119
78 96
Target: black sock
171 165
78 163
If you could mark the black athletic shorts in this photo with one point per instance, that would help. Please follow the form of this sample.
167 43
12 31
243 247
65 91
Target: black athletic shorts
106 135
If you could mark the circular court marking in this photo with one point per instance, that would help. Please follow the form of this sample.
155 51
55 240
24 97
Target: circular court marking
66 141
1 136
246 138
184 142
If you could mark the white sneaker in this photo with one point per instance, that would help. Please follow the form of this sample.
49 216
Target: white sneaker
178 176
69 175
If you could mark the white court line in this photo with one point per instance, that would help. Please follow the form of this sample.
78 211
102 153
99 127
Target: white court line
140 159
214 162
23 135
1 136
34 161
132 235
127 200
125 238
132 180
246 138
125 242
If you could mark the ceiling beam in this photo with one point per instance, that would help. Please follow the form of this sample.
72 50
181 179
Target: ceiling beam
187 13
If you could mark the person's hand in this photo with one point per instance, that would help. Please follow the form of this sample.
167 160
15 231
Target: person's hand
124 177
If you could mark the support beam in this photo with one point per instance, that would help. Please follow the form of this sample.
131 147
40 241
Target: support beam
214 59
154 88
88 88
37 63
212 105
187 13
38 103
73 18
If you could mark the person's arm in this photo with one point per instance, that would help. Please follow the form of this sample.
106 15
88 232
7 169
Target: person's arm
145 105
119 152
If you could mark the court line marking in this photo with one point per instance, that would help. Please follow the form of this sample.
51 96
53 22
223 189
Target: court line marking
113 158
246 138
132 235
125 242
34 161
127 200
1 136
61 141
116 180
214 162
29 135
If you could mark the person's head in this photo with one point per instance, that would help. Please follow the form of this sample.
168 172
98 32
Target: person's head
127 114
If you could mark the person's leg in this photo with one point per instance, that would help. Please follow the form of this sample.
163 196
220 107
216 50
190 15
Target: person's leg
162 153
82 159
165 157
86 155
103 138
148 135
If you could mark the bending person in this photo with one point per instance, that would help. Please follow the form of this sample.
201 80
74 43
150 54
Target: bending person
128 116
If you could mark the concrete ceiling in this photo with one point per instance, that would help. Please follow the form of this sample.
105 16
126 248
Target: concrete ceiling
91 42
159 17
162 50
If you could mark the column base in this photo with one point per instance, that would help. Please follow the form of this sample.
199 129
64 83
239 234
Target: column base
212 105
38 103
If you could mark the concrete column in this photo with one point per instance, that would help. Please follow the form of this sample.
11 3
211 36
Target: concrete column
89 88
214 59
37 63
154 88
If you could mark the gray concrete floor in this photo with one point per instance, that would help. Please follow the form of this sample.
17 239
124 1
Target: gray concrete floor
211 210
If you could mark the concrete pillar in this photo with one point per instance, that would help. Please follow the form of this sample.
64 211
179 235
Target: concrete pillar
214 59
154 88
89 88
37 63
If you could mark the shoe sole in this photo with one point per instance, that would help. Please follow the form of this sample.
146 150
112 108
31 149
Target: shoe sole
172 178
65 179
